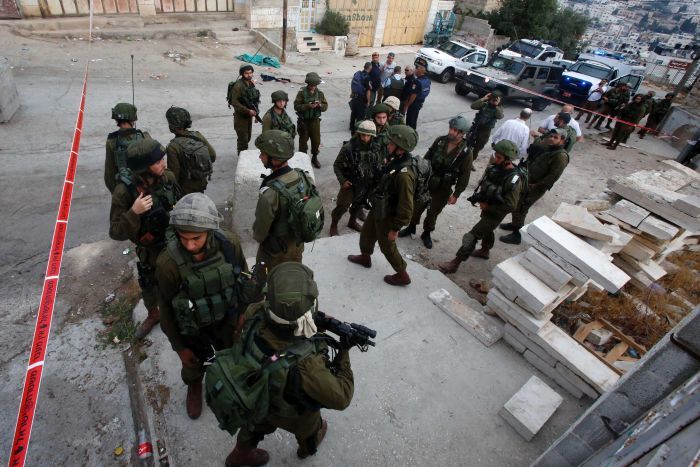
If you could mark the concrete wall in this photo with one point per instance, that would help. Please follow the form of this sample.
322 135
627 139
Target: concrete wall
264 14
9 98
30 8
681 123
382 12
475 6
670 363
274 40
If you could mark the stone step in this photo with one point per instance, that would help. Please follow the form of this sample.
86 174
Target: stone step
234 37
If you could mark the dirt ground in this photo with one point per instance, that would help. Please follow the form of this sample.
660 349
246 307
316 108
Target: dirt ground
34 150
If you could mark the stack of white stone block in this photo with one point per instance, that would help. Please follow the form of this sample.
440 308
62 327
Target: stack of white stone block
528 287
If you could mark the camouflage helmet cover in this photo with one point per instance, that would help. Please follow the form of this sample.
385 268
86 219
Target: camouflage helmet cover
393 102
291 290
124 111
141 154
381 108
366 127
459 123
195 212
277 144
279 96
178 117
312 78
403 136
507 149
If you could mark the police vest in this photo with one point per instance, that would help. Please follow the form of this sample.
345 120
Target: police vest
357 85
425 88
211 290
310 114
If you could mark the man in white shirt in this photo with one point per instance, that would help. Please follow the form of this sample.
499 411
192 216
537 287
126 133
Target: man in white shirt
386 70
594 101
548 123
515 130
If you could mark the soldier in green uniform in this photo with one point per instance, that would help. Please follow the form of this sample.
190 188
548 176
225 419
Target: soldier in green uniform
392 205
277 118
395 116
544 164
314 383
451 163
200 274
562 120
308 105
489 112
657 111
190 156
141 201
271 229
354 168
613 100
633 113
117 142
245 98
497 193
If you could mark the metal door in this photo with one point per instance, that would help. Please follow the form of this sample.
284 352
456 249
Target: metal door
307 15
405 21
9 9
362 16
193 6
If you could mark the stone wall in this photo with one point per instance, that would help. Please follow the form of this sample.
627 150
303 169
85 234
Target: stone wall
681 123
265 14
9 98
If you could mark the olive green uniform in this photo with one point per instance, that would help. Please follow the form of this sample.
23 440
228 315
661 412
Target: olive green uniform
272 121
357 162
271 230
508 184
111 169
448 170
544 168
612 100
178 163
396 119
485 120
147 230
317 387
309 119
170 283
242 121
657 110
570 140
632 113
392 208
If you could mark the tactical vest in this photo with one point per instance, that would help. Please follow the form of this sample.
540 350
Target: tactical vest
282 122
486 118
198 164
361 163
154 223
446 168
311 114
495 179
122 144
211 290
383 203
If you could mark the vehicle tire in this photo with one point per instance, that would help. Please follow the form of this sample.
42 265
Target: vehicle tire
447 75
539 105
461 90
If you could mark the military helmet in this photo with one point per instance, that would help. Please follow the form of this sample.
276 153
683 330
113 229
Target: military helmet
277 144
141 154
403 136
291 290
124 111
195 212
178 117
497 93
279 96
312 78
506 148
381 108
366 127
245 67
459 123
393 102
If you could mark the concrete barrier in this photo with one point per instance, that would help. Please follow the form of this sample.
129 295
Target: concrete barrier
9 98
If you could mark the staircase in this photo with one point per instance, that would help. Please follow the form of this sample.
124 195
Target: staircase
309 43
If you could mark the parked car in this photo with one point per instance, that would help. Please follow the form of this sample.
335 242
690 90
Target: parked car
529 48
502 73
444 59
578 79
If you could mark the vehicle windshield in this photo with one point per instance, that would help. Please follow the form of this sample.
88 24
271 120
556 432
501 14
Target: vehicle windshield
453 49
509 66
590 70
526 50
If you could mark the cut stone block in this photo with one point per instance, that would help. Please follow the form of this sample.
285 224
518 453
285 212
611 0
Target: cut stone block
629 212
577 276
599 336
531 293
9 97
658 228
637 277
578 220
552 373
512 313
678 167
530 408
530 345
651 268
577 382
542 267
485 329
583 256
513 342
616 245
638 250
689 205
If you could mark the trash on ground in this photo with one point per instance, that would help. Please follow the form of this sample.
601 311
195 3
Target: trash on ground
177 57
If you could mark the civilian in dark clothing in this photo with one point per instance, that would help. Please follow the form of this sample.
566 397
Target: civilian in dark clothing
359 95
408 81
375 78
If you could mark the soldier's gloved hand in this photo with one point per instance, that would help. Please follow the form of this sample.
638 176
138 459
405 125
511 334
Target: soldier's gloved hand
345 343
347 184
142 204
188 358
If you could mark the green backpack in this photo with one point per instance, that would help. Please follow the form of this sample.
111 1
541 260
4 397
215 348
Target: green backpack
423 170
243 385
304 205
198 165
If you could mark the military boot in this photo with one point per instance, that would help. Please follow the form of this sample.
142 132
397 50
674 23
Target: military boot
400 278
352 223
361 215
612 146
151 320
310 446
362 260
315 162
450 267
427 241
194 400
508 226
482 253
513 238
409 230
334 227
246 454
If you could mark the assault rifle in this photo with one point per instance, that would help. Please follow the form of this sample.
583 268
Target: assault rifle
350 334
252 106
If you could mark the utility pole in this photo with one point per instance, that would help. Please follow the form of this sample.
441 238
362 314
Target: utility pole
283 58
689 72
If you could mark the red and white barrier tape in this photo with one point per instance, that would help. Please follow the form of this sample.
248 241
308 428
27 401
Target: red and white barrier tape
32 381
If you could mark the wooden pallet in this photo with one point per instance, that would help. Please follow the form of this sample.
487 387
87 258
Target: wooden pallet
617 353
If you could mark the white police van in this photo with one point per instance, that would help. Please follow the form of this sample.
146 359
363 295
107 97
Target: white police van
449 56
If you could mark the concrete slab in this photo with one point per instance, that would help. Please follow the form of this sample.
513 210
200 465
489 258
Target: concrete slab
514 314
619 241
551 373
629 212
427 394
539 265
487 330
577 276
532 294
530 408
578 220
659 228
689 205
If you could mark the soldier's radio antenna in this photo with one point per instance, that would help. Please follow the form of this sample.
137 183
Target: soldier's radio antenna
133 100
